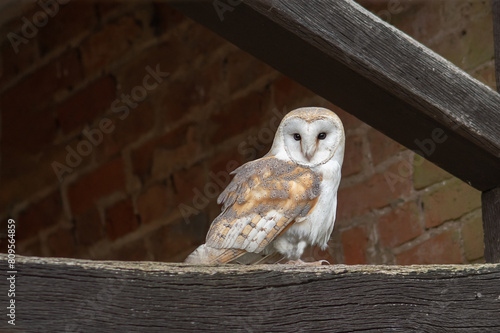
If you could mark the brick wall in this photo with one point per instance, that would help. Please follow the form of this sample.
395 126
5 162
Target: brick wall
121 121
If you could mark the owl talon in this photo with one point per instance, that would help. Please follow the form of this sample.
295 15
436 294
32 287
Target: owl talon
311 263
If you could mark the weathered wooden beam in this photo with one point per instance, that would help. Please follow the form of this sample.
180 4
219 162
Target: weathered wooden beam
372 70
491 199
495 5
491 225
69 295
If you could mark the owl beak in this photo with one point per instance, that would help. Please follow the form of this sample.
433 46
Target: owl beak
309 151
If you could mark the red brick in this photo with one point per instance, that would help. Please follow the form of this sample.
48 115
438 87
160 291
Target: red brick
374 5
84 193
31 249
167 161
107 7
179 99
186 182
3 238
379 191
348 120
14 64
189 93
473 237
426 173
135 251
241 70
354 243
213 209
353 158
288 94
139 121
179 236
450 201
198 40
26 174
72 20
225 162
441 249
108 44
12 22
258 142
153 203
220 168
87 104
238 116
168 17
39 216
142 157
21 136
469 46
120 219
382 147
38 89
89 228
487 76
61 243
400 225
421 20
167 57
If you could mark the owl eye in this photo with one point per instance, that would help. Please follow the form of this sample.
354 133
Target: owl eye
322 136
297 137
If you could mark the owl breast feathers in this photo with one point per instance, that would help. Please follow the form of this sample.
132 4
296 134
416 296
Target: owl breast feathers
277 205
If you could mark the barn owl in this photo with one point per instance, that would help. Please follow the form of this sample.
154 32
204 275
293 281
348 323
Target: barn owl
279 204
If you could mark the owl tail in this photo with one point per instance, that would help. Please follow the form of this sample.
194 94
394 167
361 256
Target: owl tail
207 255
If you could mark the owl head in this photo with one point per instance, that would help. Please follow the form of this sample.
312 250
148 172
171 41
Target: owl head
310 137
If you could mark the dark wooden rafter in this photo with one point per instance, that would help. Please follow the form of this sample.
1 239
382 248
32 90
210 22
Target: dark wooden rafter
491 225
68 295
495 5
374 71
491 198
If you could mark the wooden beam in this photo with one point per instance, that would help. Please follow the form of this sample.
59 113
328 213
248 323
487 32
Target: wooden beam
495 5
69 295
372 70
491 225
491 199
85 296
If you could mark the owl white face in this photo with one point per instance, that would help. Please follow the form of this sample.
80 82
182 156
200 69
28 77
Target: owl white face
311 136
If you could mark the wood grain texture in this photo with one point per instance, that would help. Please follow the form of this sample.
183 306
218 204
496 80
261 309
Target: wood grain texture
68 295
491 199
373 71
495 5
491 225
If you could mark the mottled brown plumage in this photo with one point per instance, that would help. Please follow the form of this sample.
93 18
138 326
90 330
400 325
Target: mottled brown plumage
257 189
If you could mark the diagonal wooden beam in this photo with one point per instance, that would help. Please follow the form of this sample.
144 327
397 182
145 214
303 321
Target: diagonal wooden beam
373 71
491 199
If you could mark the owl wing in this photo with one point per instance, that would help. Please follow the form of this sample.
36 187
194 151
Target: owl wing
265 197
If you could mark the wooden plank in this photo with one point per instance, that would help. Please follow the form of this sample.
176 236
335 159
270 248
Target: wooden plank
491 225
373 71
491 199
495 5
68 295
